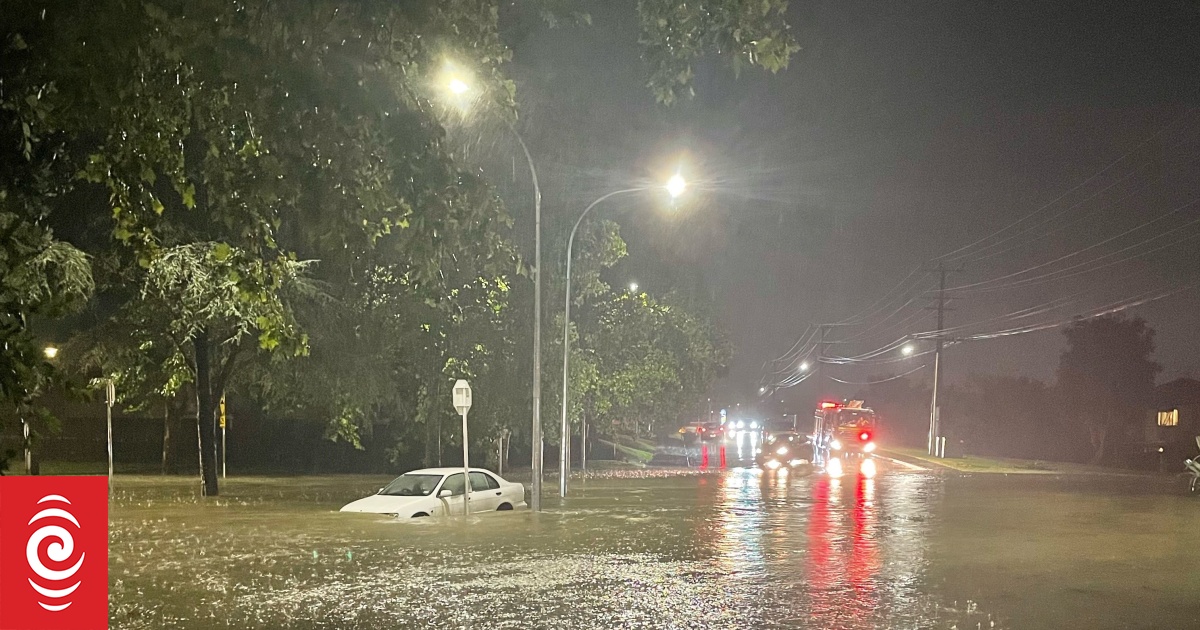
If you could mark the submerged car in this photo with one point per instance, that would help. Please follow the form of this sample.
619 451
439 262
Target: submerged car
438 492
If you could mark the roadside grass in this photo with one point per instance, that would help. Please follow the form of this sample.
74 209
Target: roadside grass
632 455
17 467
1006 465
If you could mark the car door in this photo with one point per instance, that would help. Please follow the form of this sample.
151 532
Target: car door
485 492
453 504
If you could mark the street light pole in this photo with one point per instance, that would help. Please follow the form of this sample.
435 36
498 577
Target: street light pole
564 452
458 86
535 492
675 187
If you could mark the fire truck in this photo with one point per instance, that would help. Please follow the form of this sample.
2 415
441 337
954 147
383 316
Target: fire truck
842 428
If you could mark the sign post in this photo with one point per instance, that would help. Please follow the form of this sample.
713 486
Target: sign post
110 398
222 436
462 404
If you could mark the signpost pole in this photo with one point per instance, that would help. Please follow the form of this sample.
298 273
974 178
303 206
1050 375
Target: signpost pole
222 436
462 403
110 397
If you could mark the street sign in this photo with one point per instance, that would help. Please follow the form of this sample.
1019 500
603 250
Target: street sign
222 411
462 396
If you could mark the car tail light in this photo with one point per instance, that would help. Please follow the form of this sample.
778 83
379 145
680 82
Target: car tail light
864 436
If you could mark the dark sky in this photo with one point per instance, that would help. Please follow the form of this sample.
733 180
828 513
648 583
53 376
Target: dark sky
900 133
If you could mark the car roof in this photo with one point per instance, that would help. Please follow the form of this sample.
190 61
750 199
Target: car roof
446 471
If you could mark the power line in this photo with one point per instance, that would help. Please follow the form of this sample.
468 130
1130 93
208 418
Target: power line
1170 213
891 378
952 255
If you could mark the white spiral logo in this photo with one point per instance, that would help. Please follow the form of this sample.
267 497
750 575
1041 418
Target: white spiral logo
59 551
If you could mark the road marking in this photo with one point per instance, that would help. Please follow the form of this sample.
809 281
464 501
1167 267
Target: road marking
905 464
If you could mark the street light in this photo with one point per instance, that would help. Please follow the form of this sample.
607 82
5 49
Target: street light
50 352
804 366
458 85
633 287
907 350
675 187
762 390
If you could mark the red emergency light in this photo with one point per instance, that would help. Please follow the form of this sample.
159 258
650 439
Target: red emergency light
829 405
864 436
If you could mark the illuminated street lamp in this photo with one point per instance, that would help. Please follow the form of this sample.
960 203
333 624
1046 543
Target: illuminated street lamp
907 350
458 84
633 287
50 352
804 366
762 390
675 187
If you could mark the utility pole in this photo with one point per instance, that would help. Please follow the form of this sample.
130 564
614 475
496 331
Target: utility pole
937 431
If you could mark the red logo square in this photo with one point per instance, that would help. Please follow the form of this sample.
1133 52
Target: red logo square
54 553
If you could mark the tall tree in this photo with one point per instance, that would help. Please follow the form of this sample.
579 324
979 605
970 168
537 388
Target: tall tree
1106 378
40 275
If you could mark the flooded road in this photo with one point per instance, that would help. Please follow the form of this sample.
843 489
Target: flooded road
734 549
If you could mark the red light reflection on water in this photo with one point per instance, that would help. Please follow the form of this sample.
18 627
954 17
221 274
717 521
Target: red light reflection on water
843 553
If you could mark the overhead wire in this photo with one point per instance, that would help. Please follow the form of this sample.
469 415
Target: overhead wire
883 380
953 255
1077 252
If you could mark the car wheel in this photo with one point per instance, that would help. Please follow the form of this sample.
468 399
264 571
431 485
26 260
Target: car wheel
504 507
419 515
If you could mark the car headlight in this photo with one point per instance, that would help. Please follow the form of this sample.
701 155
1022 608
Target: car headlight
835 445
741 424
782 450
753 425
869 448
772 464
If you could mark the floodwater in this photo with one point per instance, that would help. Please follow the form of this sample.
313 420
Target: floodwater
738 548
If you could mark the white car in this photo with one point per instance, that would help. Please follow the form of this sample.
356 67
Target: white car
439 491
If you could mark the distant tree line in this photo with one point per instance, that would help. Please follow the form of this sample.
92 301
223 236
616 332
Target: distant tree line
1095 412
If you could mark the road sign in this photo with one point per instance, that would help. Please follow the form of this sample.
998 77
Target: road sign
462 396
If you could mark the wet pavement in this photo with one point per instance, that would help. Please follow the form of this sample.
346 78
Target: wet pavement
738 548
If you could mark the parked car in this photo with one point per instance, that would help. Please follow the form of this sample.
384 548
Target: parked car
439 491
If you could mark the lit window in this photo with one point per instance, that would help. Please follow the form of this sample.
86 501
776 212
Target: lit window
1168 418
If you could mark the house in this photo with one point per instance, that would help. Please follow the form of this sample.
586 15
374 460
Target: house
1170 431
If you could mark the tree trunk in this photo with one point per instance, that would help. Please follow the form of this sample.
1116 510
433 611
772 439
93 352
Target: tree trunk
166 434
1098 435
583 429
206 415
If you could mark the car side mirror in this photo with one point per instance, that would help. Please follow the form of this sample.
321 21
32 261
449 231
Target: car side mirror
445 493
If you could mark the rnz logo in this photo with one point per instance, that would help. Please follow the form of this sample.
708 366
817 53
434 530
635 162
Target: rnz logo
54 546
53 585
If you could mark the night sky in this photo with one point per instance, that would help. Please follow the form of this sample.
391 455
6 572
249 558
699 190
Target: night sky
901 133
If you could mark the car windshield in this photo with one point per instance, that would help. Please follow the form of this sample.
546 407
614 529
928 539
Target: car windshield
412 486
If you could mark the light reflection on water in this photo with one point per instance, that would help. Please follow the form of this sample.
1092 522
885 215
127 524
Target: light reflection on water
741 548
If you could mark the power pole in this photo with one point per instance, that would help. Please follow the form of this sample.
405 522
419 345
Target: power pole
937 431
